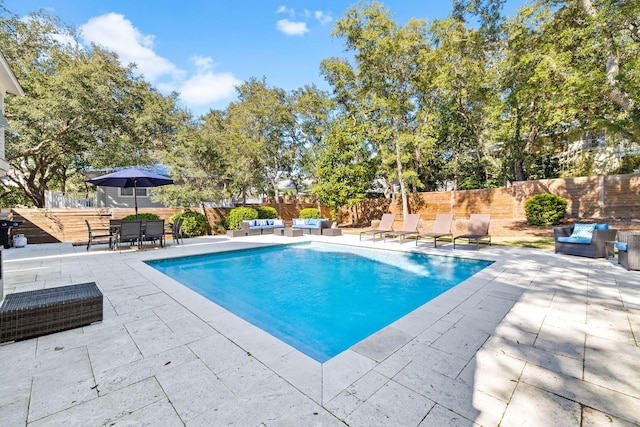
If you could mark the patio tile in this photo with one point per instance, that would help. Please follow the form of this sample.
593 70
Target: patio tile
302 372
107 409
462 341
193 389
613 365
356 394
160 413
593 418
561 341
492 373
452 394
600 398
454 360
383 343
218 353
557 363
393 404
125 375
60 386
342 371
440 416
531 406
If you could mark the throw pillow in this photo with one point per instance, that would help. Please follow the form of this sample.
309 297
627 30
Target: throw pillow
583 231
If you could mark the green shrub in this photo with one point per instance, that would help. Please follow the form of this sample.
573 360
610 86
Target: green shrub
545 209
237 215
307 213
193 224
266 212
141 216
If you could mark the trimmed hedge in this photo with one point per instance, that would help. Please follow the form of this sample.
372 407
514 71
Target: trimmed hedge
266 212
194 223
545 209
308 213
237 215
141 216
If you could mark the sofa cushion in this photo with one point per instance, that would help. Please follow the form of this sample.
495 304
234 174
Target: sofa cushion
576 240
253 222
621 246
313 222
298 222
602 226
583 231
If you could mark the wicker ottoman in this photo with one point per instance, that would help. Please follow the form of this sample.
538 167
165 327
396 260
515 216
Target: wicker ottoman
34 313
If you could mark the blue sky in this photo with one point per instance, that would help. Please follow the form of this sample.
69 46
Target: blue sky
203 48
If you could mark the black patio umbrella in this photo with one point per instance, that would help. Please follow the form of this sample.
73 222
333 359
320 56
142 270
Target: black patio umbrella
132 177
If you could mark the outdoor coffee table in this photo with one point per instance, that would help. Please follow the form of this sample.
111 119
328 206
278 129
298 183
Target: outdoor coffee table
293 232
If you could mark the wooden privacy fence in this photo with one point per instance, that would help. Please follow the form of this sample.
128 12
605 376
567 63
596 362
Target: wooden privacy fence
615 197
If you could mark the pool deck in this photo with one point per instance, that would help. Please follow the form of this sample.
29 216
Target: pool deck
534 339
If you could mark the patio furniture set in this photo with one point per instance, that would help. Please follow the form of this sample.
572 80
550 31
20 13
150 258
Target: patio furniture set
477 229
299 226
599 241
133 232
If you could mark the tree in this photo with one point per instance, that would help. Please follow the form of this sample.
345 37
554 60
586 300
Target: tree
198 162
345 168
81 108
260 129
380 92
313 110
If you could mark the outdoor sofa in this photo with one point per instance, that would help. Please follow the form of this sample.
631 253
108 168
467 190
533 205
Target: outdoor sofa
258 226
311 225
584 239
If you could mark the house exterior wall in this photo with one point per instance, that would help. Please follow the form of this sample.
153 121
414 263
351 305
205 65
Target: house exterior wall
109 197
8 84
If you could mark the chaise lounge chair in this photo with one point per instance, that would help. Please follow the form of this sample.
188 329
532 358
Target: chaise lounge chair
477 229
409 228
386 225
441 228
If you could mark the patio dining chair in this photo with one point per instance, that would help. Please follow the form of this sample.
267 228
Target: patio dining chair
130 231
441 228
98 236
176 231
409 228
386 225
154 231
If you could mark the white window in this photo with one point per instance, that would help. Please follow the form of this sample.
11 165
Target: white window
128 192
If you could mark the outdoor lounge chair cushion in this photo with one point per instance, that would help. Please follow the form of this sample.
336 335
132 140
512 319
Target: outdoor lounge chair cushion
622 246
581 234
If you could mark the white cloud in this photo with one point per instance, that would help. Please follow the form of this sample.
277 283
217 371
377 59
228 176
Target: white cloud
286 10
291 28
116 33
322 17
205 86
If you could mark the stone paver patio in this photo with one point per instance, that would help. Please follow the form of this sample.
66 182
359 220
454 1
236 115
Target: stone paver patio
535 339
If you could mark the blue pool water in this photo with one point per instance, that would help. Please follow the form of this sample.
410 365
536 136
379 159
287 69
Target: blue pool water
319 298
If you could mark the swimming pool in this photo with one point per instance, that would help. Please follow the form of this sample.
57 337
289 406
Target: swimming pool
319 298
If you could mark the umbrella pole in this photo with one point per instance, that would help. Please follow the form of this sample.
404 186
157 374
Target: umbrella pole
135 195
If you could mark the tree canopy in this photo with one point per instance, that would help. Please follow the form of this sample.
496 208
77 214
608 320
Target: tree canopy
476 100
